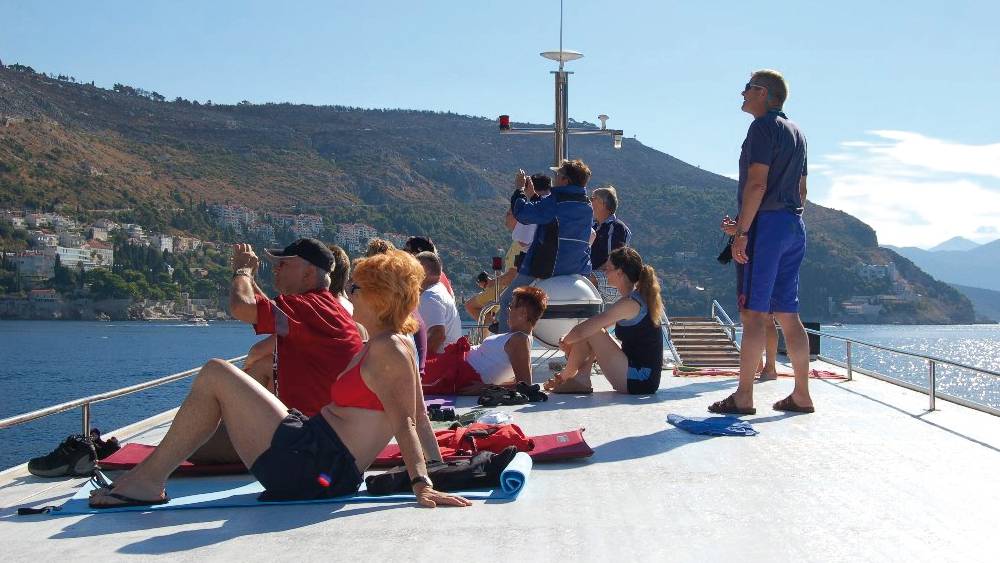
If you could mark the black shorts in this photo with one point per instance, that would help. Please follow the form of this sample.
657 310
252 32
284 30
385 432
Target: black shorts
306 460
643 380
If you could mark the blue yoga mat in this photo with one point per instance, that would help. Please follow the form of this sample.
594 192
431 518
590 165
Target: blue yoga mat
241 491
713 425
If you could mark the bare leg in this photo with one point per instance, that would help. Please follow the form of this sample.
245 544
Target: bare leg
768 368
751 349
219 392
606 352
575 377
260 366
797 342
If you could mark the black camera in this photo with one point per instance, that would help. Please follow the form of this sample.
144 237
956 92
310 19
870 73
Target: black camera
726 256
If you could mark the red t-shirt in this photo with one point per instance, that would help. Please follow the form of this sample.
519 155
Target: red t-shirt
316 341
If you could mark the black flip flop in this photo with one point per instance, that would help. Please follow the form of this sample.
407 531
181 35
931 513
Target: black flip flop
129 501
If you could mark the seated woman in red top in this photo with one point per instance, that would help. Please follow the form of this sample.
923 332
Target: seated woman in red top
298 457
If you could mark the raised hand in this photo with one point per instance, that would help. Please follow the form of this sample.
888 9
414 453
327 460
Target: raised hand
244 257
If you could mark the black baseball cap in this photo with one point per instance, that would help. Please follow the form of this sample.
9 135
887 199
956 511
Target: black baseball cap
308 249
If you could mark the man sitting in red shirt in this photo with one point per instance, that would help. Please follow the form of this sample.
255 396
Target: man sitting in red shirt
315 337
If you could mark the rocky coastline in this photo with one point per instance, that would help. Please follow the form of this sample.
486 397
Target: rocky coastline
27 308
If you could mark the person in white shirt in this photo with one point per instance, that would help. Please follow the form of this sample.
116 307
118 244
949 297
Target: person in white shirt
505 359
437 306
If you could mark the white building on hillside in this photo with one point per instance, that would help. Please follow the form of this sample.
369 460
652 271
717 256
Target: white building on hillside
43 239
354 236
90 255
235 216
307 225
162 242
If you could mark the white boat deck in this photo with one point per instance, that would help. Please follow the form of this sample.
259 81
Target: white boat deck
871 476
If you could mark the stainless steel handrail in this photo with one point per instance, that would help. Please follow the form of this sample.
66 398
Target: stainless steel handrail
724 320
476 331
932 364
665 327
904 352
85 402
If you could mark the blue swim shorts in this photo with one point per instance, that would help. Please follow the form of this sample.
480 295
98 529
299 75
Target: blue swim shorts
769 282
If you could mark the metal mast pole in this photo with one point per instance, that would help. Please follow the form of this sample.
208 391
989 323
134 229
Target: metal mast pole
562 115
560 128
562 101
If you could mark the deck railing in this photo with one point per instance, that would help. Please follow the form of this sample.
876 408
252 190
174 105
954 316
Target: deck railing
848 363
932 364
720 315
84 403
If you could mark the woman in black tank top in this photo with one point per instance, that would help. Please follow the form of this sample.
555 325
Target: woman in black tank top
634 365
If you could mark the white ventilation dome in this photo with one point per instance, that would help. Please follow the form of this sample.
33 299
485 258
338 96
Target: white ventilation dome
572 300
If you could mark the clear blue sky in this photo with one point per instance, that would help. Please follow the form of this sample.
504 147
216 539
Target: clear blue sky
898 99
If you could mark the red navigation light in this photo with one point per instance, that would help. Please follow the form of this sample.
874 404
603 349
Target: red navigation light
505 123
497 263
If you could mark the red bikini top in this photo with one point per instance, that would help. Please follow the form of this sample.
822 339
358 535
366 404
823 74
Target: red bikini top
350 390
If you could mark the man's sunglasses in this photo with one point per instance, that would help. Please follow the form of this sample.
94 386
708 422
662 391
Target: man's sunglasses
750 85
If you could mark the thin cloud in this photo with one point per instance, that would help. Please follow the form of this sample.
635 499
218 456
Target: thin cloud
916 190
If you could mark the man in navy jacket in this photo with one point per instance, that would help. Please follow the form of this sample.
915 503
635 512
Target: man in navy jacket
561 245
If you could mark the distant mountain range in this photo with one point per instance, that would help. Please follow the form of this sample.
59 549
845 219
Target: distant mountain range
955 243
979 266
985 301
80 148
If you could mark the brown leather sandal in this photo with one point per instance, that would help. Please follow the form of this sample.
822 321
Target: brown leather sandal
728 406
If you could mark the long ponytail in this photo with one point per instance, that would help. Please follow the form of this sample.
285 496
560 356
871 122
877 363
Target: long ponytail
649 288
643 276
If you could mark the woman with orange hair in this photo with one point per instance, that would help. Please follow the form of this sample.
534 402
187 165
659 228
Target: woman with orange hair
298 457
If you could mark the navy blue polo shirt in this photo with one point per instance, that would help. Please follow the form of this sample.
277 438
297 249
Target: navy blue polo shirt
776 141
612 234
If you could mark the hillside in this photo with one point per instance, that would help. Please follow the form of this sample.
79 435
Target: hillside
985 301
81 148
978 266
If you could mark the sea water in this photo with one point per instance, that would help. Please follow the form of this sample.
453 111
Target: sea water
49 362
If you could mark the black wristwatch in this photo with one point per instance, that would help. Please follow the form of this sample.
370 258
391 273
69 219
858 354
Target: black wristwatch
421 479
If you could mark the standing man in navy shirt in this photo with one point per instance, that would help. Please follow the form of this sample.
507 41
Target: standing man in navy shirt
769 240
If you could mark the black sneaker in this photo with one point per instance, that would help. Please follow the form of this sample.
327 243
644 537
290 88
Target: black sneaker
75 456
534 393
